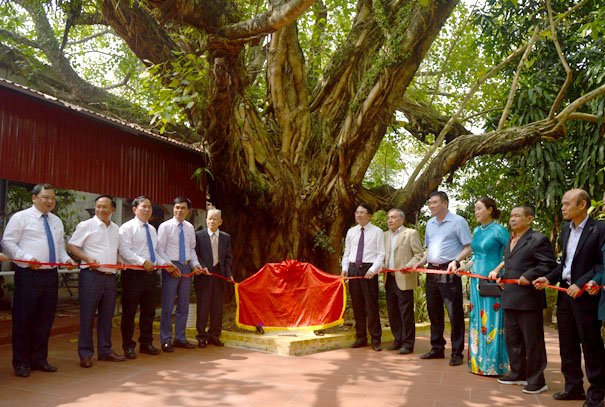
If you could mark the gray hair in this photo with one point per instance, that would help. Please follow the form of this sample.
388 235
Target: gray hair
38 188
215 211
399 212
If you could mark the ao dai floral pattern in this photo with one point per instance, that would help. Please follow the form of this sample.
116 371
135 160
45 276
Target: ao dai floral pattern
487 350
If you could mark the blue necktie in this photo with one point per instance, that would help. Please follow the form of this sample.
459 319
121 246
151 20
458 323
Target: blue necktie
52 257
182 258
150 244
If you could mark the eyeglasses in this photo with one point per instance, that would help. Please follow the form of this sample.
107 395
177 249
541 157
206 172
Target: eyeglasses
360 213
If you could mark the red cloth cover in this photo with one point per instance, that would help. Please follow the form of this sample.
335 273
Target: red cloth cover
290 295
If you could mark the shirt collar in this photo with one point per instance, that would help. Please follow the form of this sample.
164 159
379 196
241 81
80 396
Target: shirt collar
140 222
36 212
580 226
399 229
210 233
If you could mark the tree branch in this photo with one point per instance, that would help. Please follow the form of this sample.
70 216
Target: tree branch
123 82
19 38
559 99
90 37
513 87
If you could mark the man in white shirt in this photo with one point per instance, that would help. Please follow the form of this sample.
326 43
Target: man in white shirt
138 246
96 241
176 242
363 257
35 235
213 248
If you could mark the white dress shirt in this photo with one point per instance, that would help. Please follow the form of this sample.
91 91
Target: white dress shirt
133 243
98 241
168 241
25 237
572 245
373 247
394 237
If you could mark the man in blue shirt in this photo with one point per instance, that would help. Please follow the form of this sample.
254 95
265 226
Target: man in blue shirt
448 242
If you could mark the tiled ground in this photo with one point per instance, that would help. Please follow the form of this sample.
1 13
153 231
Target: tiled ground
234 377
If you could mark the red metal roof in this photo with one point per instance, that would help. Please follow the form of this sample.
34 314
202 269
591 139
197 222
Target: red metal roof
45 140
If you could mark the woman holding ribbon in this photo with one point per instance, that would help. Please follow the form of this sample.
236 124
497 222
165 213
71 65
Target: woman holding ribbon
487 350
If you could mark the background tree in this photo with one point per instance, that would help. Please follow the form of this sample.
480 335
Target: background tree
292 98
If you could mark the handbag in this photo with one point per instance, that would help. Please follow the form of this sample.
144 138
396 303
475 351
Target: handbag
489 288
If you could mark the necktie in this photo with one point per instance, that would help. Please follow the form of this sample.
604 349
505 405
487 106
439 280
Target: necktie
52 257
214 244
359 257
182 258
150 244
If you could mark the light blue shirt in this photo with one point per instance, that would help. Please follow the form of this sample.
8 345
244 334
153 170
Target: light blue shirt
572 245
444 241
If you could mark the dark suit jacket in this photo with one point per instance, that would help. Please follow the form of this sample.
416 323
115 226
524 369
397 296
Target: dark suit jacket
531 258
204 251
587 260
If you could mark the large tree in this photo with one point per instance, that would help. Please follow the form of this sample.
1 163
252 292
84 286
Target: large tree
288 161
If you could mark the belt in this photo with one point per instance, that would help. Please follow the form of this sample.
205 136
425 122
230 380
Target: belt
176 261
362 264
442 266
102 273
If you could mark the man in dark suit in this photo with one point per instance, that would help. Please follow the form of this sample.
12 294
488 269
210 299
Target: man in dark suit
213 249
527 256
577 315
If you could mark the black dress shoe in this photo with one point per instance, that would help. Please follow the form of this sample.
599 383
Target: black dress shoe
433 354
215 341
86 362
405 351
394 346
593 403
359 343
46 367
149 349
376 347
129 353
113 357
563 395
456 360
167 347
22 371
184 345
201 343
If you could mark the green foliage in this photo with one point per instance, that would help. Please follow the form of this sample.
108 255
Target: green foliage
379 218
322 242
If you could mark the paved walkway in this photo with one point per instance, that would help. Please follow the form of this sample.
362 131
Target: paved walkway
234 377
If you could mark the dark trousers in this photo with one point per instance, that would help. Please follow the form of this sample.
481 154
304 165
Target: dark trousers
175 289
400 306
139 287
209 291
580 327
97 293
445 290
364 295
524 337
34 306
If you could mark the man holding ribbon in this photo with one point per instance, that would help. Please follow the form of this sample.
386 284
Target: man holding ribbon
95 241
448 241
35 235
577 314
176 241
213 248
138 246
362 260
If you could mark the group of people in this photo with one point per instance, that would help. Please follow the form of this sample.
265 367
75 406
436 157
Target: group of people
175 253
506 327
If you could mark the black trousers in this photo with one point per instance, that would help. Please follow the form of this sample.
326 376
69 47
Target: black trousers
209 291
364 295
139 287
34 306
580 327
400 306
445 290
524 337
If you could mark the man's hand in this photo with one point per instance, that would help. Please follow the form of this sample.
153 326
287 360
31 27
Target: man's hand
418 265
231 278
90 260
344 273
453 266
3 257
592 287
172 269
539 283
493 275
72 264
206 271
197 270
523 281
369 275
500 283
148 265
573 291
34 266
